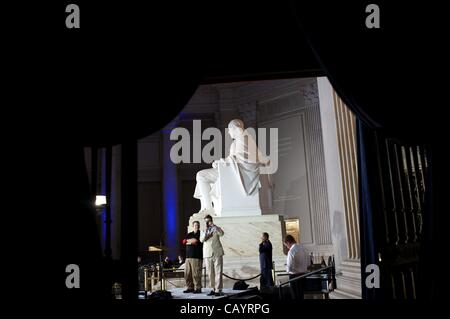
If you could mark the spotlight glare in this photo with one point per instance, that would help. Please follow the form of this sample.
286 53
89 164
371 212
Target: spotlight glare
100 200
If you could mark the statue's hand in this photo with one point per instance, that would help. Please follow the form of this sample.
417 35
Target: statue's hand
217 162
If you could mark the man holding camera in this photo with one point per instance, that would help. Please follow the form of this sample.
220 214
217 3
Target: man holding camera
213 255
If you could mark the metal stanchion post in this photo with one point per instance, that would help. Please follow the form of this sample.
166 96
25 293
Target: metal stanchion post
147 282
153 280
158 276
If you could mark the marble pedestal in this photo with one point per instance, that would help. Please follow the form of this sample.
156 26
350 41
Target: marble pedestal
241 242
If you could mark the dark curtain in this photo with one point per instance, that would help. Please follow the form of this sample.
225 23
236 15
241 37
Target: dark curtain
434 225
376 71
366 220
122 76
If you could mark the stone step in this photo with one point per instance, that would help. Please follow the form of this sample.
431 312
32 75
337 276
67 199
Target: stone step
353 289
349 269
341 294
348 279
355 265
349 274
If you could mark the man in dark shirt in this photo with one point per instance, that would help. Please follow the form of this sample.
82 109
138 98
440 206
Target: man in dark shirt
194 260
265 261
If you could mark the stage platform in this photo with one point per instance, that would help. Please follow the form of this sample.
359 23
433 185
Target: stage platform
177 293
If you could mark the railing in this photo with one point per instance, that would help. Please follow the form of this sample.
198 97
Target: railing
242 279
304 275
154 274
170 270
330 272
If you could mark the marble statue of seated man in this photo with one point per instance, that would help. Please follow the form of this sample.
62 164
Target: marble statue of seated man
245 159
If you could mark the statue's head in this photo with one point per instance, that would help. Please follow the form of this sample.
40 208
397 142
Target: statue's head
235 128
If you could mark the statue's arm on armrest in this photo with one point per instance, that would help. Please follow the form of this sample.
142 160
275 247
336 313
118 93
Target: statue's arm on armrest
229 159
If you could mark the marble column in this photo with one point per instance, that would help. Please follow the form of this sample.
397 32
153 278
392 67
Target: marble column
346 132
341 173
316 159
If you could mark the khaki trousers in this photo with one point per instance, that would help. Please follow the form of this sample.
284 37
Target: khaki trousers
214 268
193 273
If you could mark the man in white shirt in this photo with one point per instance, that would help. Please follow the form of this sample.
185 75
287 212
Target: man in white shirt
296 261
296 264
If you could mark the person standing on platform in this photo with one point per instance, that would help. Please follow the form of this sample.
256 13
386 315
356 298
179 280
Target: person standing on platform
213 254
194 260
265 261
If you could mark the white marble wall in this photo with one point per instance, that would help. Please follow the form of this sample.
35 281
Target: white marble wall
291 193
333 170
